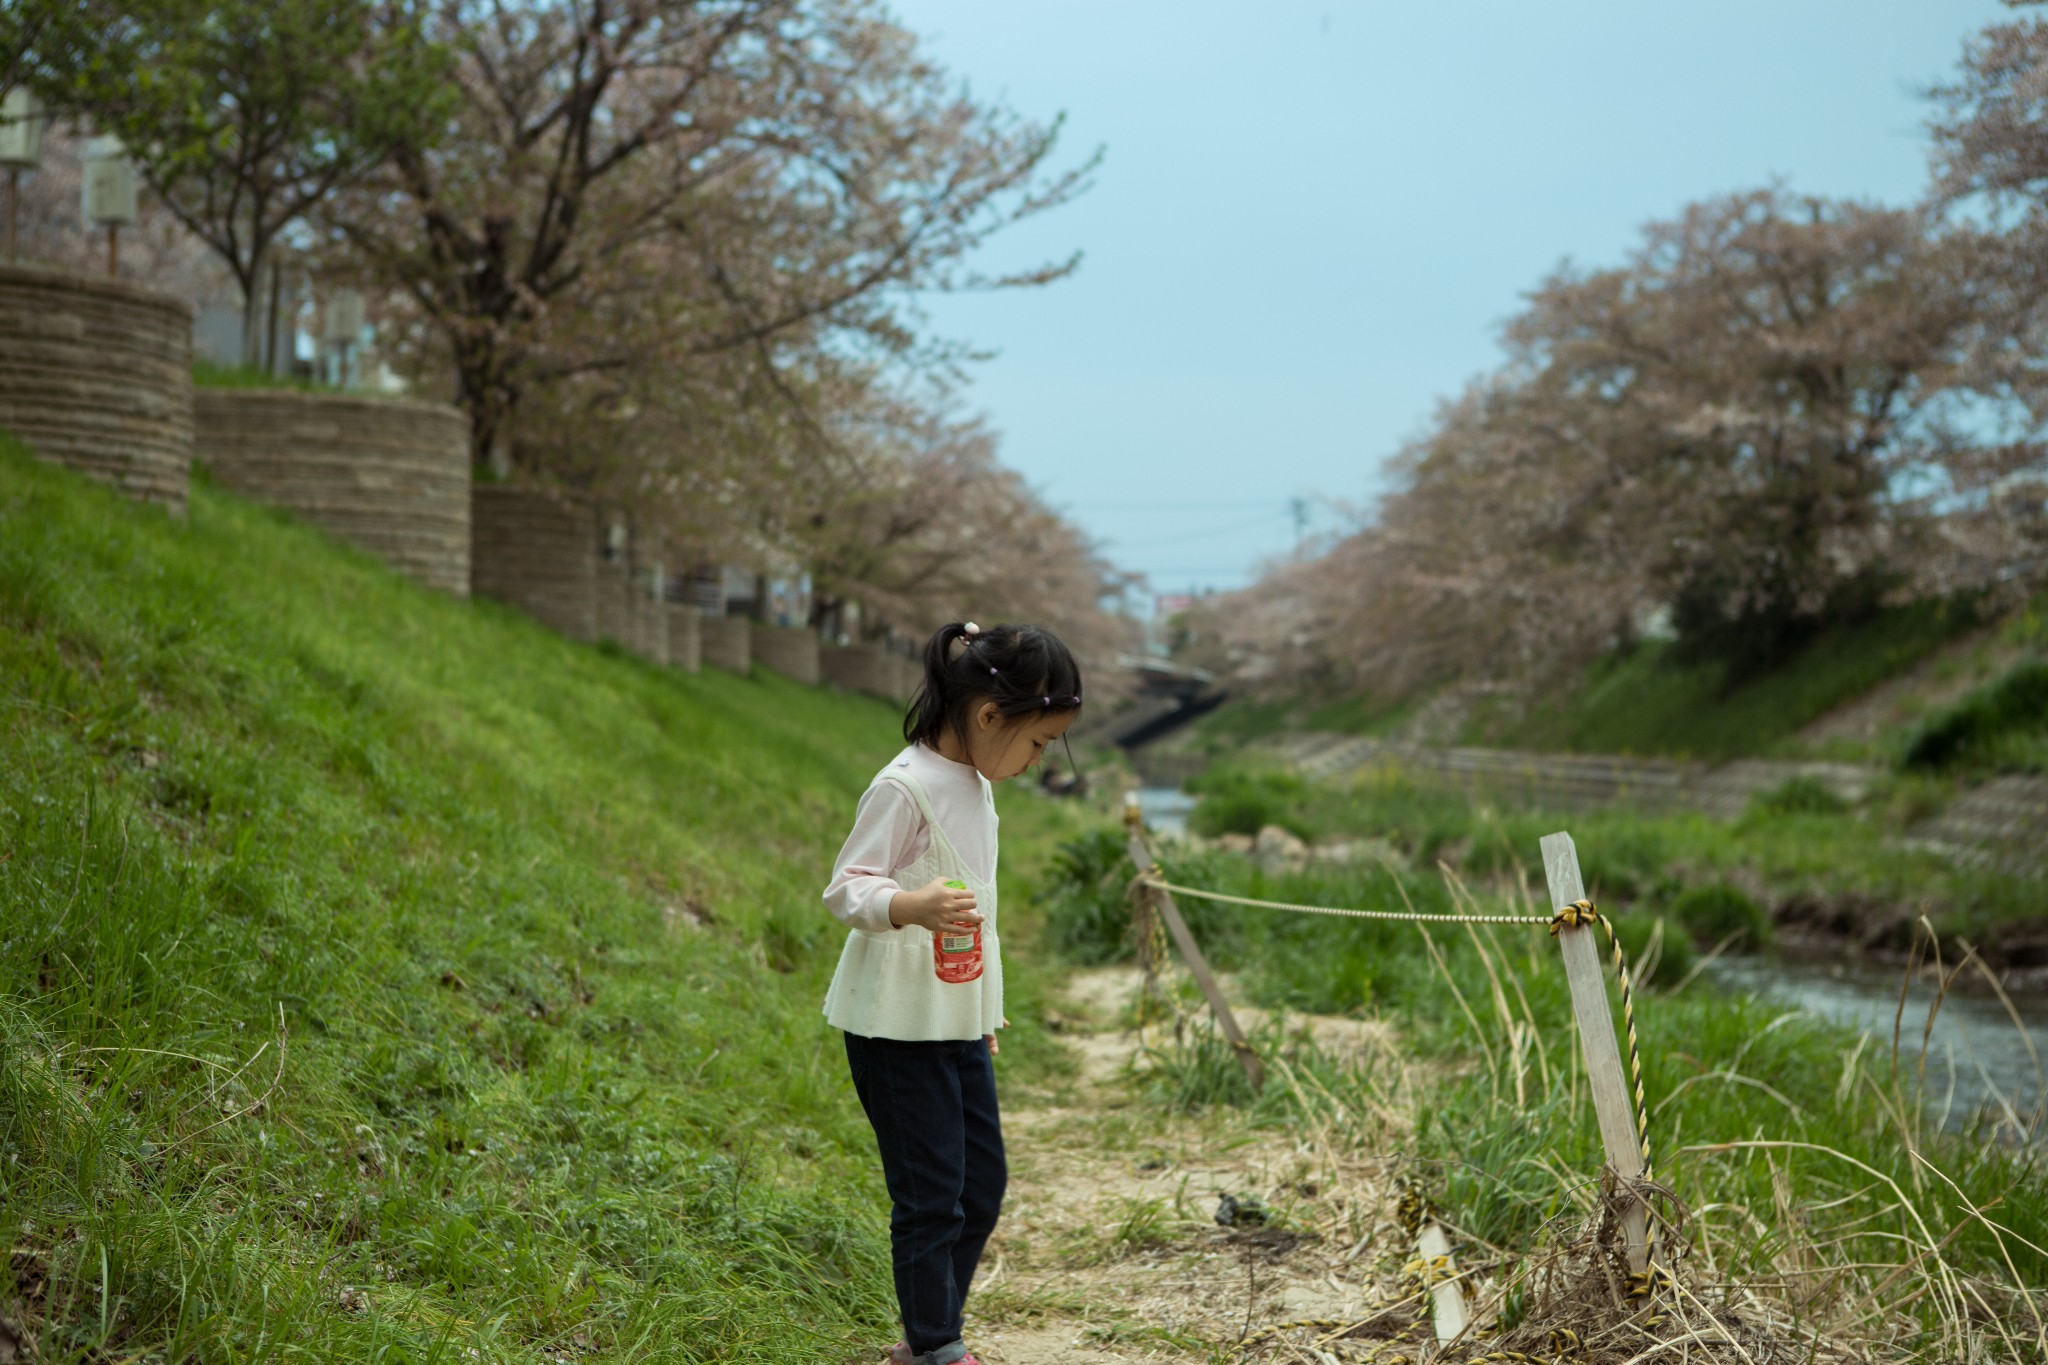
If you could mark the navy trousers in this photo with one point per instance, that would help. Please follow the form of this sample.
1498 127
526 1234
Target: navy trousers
933 1108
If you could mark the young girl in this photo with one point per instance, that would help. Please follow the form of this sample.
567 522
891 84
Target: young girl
919 1047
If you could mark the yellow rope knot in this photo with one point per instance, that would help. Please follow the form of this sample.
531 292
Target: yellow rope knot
1432 1272
1413 1209
1648 1281
1576 915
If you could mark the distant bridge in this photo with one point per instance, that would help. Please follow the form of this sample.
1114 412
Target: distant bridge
1167 698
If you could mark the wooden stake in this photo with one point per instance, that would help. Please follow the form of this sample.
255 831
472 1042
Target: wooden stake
113 249
1191 953
1596 1037
1450 1300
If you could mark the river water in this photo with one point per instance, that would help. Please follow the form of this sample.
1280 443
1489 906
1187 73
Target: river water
1166 809
1975 1057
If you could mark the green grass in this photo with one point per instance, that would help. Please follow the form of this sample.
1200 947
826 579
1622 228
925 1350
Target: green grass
211 374
1649 702
353 1001
2002 726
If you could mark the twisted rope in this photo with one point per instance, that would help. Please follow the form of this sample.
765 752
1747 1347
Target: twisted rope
1153 879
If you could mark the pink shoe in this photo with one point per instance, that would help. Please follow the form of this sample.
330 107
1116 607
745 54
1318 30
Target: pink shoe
899 1354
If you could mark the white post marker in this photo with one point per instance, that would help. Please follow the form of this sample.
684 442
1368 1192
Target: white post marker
109 193
1450 1317
341 326
1596 1037
21 149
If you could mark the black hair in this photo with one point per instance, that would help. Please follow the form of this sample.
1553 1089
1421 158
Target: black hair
1024 670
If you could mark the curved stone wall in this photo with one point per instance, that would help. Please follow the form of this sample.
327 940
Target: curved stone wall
857 668
726 642
685 645
650 626
908 673
790 651
388 476
614 606
97 375
536 549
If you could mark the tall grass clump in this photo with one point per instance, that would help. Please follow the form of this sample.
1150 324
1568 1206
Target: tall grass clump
1237 800
384 977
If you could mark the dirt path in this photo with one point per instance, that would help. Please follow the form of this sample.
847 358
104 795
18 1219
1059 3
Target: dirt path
1110 1249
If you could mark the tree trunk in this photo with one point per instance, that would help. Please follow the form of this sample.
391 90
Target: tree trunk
251 282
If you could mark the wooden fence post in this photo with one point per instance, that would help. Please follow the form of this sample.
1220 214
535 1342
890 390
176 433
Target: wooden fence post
1596 1037
1190 951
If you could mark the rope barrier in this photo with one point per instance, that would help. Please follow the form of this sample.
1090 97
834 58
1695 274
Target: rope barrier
1153 879
1579 914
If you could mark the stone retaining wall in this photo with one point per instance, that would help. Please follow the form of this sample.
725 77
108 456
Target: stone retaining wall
650 626
726 642
790 651
685 644
614 605
97 375
533 548
857 668
909 676
2006 818
389 477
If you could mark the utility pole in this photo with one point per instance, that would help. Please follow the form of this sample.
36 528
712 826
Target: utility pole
1298 508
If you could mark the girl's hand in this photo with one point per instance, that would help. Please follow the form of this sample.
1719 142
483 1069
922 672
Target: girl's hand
993 1046
936 906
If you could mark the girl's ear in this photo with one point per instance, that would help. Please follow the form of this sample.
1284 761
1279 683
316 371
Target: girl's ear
987 715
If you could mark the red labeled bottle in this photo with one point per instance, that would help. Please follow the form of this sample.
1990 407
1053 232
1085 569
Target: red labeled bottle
957 957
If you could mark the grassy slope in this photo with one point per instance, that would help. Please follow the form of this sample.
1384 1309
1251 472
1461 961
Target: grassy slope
1647 702
1650 703
347 1004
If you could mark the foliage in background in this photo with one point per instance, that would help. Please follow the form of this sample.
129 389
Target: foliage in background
245 115
1717 912
1648 700
664 253
2000 726
1780 415
1244 800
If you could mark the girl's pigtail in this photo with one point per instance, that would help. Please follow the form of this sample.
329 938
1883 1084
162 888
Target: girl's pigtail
933 698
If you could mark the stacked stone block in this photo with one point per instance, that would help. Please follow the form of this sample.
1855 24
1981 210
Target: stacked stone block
389 477
97 375
615 620
685 645
790 651
535 549
650 625
858 668
727 642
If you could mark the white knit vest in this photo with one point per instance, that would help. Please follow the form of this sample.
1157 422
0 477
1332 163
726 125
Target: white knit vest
886 985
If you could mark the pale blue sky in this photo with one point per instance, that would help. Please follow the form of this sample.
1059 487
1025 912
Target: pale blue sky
1314 215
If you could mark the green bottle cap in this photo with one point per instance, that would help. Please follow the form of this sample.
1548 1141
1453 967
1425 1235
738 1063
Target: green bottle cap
956 883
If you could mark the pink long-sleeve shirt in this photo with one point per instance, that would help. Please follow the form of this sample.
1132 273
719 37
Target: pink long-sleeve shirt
890 833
